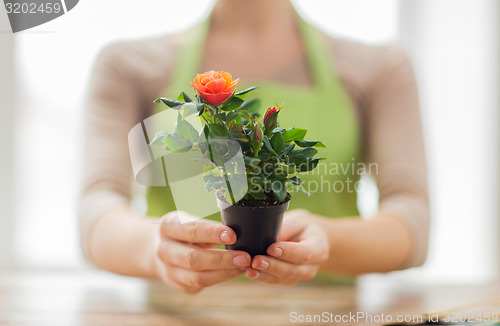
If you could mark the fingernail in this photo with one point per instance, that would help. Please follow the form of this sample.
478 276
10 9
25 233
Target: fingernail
276 252
256 276
225 236
240 261
263 265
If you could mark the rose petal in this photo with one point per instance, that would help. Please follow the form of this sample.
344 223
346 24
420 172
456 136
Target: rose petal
227 77
217 99
233 83
201 88
207 80
211 73
230 89
216 85
198 78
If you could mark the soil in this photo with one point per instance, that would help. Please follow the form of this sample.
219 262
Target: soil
270 201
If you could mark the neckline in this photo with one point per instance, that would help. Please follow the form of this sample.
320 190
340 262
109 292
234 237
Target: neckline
318 59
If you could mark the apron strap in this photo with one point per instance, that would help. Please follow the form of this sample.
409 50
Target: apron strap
188 59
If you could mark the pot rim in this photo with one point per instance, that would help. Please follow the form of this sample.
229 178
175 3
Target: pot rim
224 204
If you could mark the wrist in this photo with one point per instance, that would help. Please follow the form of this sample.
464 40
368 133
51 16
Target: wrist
360 246
151 264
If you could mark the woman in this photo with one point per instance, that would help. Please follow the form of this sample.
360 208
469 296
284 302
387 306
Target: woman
368 94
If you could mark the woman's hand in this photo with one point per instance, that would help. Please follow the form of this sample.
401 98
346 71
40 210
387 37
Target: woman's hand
185 258
302 248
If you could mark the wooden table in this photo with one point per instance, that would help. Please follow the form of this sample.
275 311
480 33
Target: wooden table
98 298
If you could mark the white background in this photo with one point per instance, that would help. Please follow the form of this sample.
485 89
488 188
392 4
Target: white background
451 42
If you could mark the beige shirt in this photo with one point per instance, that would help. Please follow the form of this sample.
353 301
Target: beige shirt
379 80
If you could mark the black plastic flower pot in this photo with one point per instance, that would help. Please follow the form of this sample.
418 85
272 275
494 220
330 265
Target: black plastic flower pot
256 228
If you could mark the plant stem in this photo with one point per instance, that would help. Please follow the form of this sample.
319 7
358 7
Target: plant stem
226 179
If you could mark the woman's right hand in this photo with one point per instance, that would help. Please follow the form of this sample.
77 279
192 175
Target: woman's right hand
185 257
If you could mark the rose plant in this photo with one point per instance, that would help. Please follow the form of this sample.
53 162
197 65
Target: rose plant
273 155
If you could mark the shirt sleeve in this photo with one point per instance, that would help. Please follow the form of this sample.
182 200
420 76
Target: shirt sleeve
111 111
395 143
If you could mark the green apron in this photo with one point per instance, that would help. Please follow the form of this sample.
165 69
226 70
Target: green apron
324 109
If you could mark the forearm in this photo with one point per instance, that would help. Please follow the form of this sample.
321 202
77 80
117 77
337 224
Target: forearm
123 243
360 246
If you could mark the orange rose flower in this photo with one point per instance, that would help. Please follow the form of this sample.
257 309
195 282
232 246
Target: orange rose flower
214 87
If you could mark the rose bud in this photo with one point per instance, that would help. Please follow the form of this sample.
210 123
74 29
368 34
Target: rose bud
256 137
214 87
271 119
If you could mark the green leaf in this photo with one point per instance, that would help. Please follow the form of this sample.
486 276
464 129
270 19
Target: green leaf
277 175
277 142
279 190
251 161
269 147
302 155
224 148
245 115
214 183
308 165
159 137
252 106
244 93
231 116
237 129
177 143
310 143
237 137
189 109
201 110
307 152
259 178
288 149
217 130
294 134
203 134
239 120
278 129
185 129
295 180
297 159
208 177
232 104
221 116
259 195
263 156
183 97
169 102
288 169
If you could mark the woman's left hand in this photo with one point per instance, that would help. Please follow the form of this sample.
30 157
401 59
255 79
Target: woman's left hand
303 246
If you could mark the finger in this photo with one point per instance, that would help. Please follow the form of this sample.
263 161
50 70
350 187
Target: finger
199 259
205 245
283 270
203 279
262 277
164 274
200 231
312 249
293 224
